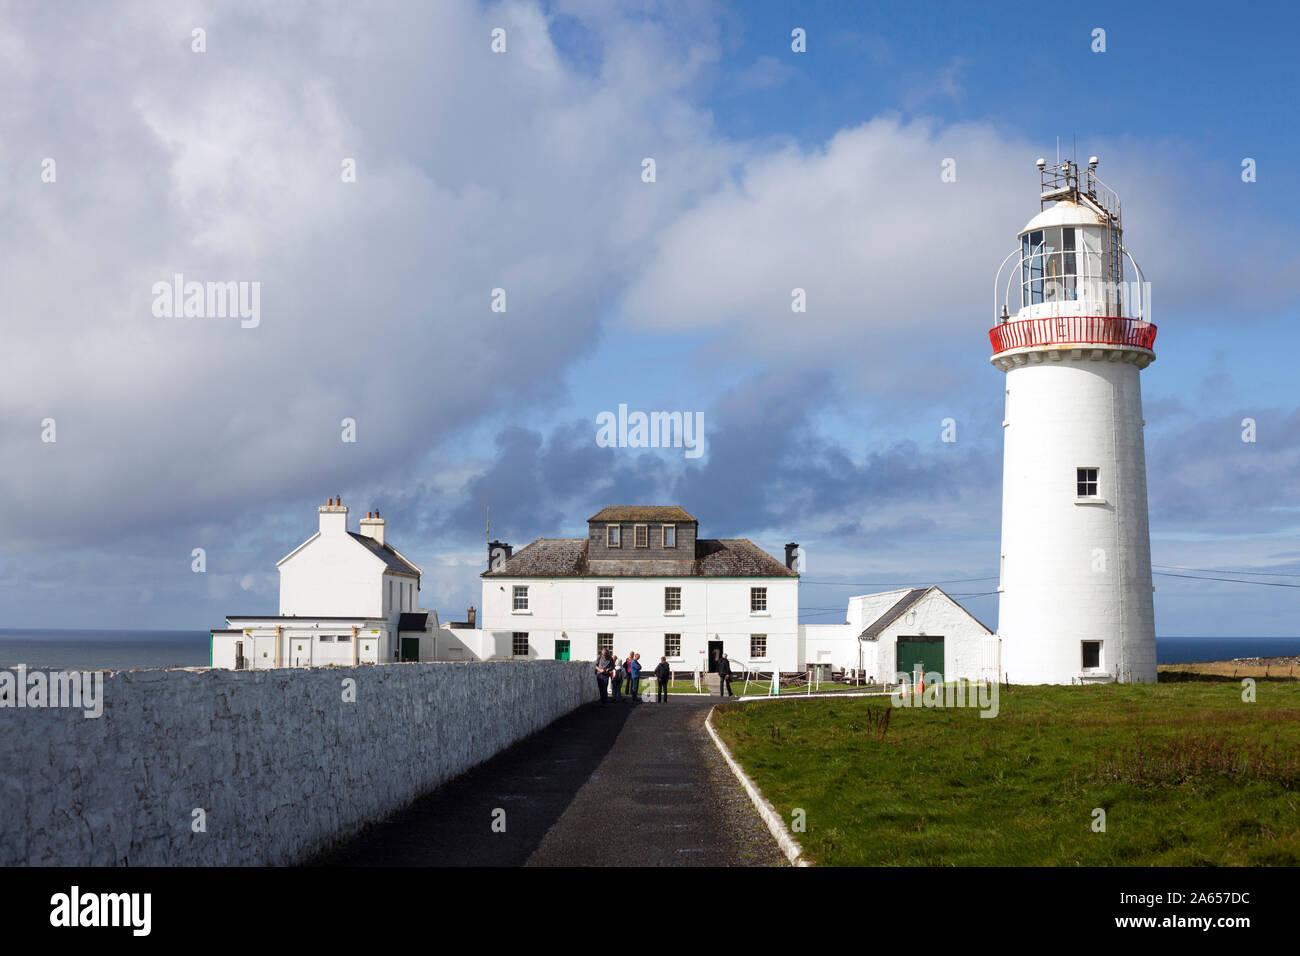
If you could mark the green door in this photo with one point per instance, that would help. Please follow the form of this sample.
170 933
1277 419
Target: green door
916 652
561 650
410 648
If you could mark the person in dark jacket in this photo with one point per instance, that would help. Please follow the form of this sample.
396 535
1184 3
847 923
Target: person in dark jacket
662 674
604 667
724 677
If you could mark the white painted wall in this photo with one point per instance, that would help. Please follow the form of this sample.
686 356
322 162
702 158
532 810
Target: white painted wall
712 609
307 643
1075 571
332 574
281 765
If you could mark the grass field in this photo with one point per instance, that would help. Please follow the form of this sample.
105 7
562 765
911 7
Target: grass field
762 687
1269 668
1186 772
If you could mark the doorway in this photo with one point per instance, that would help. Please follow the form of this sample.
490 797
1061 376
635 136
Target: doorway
917 652
715 654
410 648
561 650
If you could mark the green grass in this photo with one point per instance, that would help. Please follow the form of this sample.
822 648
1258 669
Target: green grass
1187 773
761 687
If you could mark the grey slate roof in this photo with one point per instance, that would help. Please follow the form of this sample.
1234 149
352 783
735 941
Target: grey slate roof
872 632
902 604
737 557
386 554
567 557
545 557
642 513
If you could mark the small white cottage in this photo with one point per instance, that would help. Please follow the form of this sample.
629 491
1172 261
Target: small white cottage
346 597
901 632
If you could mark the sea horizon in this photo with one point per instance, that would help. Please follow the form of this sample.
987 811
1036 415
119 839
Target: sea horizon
127 648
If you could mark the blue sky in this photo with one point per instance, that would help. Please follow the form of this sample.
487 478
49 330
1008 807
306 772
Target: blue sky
775 169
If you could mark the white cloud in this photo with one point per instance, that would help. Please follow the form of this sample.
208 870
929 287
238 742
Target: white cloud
475 171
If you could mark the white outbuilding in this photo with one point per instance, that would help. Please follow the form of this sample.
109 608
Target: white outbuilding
903 632
346 597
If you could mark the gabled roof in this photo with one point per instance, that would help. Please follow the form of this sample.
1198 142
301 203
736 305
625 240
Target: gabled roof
874 629
391 557
642 513
567 557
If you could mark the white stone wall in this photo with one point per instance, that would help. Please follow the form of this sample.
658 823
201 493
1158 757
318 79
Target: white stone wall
281 765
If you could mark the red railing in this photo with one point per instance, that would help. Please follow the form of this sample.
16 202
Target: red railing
1072 330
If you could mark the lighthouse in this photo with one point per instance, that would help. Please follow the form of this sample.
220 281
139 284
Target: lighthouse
1075 593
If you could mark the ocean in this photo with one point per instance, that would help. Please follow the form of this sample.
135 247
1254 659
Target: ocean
123 650
103 650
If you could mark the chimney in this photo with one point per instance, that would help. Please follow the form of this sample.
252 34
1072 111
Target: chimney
333 517
498 553
472 616
791 555
372 526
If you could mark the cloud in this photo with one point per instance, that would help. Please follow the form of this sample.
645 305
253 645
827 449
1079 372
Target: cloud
765 73
475 171
920 88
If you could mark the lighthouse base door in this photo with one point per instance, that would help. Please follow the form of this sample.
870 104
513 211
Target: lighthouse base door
915 653
410 648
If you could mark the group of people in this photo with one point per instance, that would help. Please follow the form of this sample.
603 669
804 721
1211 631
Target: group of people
627 674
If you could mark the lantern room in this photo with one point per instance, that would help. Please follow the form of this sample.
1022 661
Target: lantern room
1069 266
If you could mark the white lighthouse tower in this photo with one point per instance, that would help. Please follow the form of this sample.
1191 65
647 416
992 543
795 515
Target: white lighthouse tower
1075 603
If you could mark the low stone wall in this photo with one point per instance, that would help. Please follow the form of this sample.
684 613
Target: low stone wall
281 763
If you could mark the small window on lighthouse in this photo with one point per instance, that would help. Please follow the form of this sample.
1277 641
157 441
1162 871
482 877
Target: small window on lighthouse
1086 483
1091 655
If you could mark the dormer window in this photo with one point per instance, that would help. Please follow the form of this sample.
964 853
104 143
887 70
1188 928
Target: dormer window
641 536
613 536
670 536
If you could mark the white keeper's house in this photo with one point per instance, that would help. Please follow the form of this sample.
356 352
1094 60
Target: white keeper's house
642 580
346 597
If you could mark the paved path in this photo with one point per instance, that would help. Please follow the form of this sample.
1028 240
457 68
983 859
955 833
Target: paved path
572 791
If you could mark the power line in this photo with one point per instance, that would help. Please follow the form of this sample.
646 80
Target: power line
1198 577
1274 574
